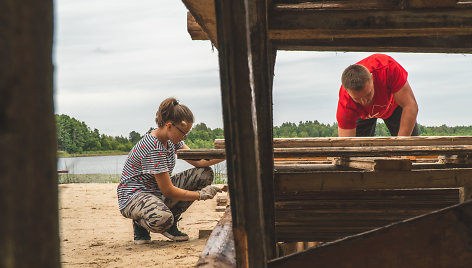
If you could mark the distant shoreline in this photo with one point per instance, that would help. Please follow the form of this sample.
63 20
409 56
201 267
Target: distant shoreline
107 153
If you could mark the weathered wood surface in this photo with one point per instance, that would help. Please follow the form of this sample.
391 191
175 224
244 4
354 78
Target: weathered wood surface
363 141
327 216
203 11
29 225
408 26
370 4
244 72
338 151
219 249
439 239
365 180
380 164
194 29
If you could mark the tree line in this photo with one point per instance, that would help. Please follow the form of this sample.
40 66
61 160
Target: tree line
75 137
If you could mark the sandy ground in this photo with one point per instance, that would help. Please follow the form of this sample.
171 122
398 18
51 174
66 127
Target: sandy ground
93 233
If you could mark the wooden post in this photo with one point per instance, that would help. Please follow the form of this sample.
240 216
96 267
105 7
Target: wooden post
241 47
29 229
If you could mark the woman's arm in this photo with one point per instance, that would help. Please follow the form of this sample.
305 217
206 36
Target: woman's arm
203 162
172 192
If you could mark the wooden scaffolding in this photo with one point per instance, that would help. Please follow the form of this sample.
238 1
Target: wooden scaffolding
247 34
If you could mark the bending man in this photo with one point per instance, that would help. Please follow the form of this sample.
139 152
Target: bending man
376 87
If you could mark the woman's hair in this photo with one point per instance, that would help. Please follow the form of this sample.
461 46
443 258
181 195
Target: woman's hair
355 76
171 110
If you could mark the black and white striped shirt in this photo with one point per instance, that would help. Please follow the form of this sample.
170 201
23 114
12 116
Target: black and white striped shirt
148 157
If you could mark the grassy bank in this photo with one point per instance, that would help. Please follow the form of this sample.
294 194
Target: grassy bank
112 178
92 153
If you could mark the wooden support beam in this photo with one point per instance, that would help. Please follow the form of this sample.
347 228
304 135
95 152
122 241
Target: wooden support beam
381 164
194 29
219 249
204 13
244 73
29 224
338 151
363 141
438 239
364 180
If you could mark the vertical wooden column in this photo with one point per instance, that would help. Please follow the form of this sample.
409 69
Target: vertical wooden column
244 74
29 232
263 62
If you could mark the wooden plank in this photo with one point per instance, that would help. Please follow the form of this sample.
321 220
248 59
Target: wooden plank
438 239
29 225
385 164
338 151
204 13
450 43
431 3
363 141
194 29
364 180
219 249
239 77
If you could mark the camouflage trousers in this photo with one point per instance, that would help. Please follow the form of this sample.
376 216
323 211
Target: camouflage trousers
157 214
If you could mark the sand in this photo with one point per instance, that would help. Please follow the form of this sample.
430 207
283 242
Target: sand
93 233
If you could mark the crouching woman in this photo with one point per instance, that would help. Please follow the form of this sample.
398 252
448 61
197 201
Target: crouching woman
148 193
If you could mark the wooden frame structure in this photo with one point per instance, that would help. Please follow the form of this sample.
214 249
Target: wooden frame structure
248 33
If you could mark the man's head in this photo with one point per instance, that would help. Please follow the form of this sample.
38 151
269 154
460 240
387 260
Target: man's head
358 82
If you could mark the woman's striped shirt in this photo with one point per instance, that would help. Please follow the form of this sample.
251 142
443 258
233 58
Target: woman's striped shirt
148 157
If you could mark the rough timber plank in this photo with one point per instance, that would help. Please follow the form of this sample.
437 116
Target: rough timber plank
240 81
339 151
204 13
385 164
219 249
439 239
364 180
363 141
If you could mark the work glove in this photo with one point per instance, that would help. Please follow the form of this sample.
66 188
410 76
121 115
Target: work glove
209 192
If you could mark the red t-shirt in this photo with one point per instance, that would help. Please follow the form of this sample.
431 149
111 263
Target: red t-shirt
389 77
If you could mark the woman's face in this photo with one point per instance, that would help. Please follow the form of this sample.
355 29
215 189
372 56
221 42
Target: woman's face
178 132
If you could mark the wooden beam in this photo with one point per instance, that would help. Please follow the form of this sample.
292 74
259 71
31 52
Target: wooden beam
438 239
338 151
381 164
363 141
194 29
204 13
219 249
241 46
364 180
29 225
262 63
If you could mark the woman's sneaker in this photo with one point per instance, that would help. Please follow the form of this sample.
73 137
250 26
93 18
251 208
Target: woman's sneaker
174 234
141 235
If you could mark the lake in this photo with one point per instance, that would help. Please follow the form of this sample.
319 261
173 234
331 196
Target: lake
112 164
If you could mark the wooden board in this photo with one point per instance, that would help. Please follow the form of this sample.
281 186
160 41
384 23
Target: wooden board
439 239
363 141
338 151
364 180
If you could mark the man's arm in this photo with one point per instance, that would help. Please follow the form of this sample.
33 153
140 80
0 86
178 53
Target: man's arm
342 132
406 99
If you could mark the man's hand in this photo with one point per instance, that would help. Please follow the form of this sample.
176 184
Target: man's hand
209 192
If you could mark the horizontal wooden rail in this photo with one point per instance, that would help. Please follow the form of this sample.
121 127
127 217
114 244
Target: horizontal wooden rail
364 141
338 151
365 180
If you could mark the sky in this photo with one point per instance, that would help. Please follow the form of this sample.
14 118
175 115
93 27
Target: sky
116 60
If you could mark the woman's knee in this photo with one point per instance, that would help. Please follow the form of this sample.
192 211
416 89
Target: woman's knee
207 175
161 221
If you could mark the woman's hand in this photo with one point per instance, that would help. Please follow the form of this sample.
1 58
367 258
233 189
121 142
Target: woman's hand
209 192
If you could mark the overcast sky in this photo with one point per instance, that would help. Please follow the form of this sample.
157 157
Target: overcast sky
116 60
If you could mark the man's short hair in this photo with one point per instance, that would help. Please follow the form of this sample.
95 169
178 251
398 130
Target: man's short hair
355 76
